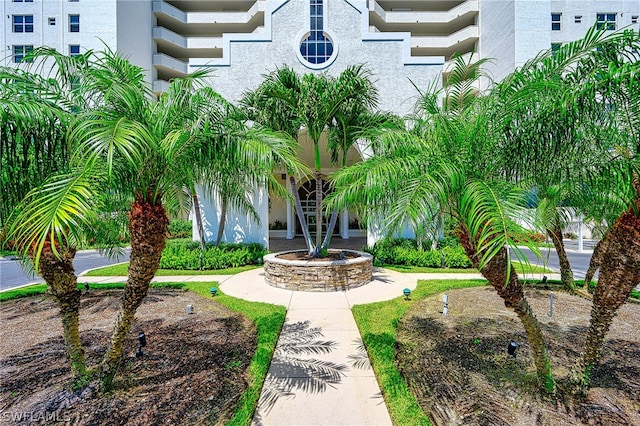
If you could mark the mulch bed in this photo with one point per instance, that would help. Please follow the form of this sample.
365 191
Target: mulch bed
192 372
458 366
331 256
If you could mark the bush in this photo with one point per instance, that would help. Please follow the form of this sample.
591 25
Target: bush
405 252
179 229
185 254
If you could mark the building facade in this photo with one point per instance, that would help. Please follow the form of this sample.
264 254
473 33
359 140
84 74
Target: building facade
403 42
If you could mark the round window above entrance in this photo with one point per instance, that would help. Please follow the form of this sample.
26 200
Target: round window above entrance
317 49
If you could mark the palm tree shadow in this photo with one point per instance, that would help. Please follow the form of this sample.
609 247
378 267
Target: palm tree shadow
292 369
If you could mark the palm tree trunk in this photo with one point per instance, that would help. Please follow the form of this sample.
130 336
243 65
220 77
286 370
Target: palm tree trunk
223 219
511 291
198 213
566 273
618 276
301 218
318 208
63 287
327 237
596 260
148 226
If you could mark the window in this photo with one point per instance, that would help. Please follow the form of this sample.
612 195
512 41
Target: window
22 23
578 19
20 51
556 21
554 48
52 21
73 1
74 23
74 49
317 47
634 19
23 1
606 21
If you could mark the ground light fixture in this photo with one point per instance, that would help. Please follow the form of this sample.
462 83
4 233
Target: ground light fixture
512 348
407 293
86 287
213 291
142 341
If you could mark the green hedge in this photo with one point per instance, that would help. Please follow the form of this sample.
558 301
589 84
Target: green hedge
406 252
179 228
185 254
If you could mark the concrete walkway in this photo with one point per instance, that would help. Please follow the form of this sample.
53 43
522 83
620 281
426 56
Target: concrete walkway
320 372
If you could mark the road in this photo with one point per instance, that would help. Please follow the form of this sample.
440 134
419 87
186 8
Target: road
579 261
12 275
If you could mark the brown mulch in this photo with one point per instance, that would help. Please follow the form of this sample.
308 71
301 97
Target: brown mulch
192 372
332 255
458 366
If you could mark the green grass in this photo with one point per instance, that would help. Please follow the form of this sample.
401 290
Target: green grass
267 318
521 268
377 323
120 270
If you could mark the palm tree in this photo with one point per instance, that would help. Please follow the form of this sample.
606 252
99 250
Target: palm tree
444 163
34 116
289 102
134 145
596 80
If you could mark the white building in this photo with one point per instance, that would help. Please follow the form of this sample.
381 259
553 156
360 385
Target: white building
401 41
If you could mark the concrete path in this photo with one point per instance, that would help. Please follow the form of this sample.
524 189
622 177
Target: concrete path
320 372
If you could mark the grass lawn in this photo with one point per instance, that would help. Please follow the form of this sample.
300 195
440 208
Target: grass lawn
120 270
267 318
377 323
521 268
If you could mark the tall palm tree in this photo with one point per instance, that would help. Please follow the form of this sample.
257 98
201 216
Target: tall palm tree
444 163
290 102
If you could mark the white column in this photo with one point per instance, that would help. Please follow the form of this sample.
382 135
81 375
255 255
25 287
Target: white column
290 216
344 225
580 245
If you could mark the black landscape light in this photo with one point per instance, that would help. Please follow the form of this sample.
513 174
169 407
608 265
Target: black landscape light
381 259
407 293
86 287
544 282
341 256
512 348
142 338
213 291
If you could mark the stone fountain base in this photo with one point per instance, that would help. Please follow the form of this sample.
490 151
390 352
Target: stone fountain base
292 270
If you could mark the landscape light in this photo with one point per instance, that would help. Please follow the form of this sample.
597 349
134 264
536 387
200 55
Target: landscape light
142 338
544 282
407 293
189 309
213 291
445 304
512 348
142 341
86 287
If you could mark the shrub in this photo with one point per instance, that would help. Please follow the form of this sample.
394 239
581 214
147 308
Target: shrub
186 254
405 252
455 257
180 229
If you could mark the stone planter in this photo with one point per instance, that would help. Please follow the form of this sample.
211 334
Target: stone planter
318 275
